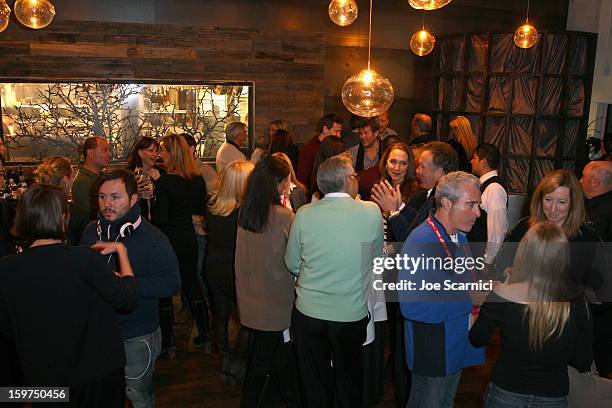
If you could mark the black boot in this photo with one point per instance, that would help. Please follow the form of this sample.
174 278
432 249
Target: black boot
199 309
166 323
220 329
239 360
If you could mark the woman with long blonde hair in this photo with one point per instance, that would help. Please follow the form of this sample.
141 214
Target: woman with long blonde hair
463 141
179 194
222 222
543 326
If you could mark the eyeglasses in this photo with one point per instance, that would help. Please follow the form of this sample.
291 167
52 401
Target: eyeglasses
355 176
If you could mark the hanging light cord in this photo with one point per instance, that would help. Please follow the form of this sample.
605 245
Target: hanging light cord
370 35
423 20
527 20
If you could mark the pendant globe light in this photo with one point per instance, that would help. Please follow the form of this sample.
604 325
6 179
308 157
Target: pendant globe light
422 42
428 4
367 93
5 14
526 35
343 12
34 13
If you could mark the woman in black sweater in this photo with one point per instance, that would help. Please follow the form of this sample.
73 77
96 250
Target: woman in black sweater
222 223
57 303
180 193
141 161
544 327
558 199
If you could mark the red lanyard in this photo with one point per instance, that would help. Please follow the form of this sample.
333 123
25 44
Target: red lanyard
435 229
440 238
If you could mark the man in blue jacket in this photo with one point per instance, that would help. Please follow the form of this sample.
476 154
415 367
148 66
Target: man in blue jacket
437 317
156 275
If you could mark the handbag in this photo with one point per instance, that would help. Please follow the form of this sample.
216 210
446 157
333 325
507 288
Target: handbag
588 389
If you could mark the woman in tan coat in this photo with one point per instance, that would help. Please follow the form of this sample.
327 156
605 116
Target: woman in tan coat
264 286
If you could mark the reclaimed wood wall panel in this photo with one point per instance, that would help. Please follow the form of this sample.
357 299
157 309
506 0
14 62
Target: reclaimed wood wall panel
286 68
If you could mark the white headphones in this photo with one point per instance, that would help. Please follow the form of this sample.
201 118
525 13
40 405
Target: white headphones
125 230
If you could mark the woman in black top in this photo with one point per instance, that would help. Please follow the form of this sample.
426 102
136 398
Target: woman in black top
57 302
281 141
463 141
221 220
558 199
141 161
180 193
542 328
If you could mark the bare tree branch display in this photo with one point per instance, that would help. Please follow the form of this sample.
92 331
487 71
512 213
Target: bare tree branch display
193 110
57 118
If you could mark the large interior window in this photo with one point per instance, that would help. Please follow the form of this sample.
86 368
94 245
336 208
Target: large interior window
46 119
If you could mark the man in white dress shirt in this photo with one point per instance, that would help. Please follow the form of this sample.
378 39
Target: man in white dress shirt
235 135
494 198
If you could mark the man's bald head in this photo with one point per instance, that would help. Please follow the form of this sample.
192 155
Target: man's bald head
421 124
596 178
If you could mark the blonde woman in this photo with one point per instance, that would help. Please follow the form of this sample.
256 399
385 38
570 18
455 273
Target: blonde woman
221 219
558 198
180 193
56 171
463 141
543 327
296 196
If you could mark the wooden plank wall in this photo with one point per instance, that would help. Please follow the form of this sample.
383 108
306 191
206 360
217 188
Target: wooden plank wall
285 67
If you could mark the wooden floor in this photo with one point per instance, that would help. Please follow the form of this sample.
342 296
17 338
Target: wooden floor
192 379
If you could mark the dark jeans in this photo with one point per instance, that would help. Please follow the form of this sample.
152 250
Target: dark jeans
271 367
141 353
321 343
500 398
433 392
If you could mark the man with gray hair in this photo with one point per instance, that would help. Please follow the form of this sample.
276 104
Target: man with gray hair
597 186
330 249
437 320
235 135
420 129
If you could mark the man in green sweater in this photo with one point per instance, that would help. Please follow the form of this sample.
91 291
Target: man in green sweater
84 208
331 248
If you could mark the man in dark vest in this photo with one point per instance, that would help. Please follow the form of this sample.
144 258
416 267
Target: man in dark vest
492 225
597 186
367 152
420 130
